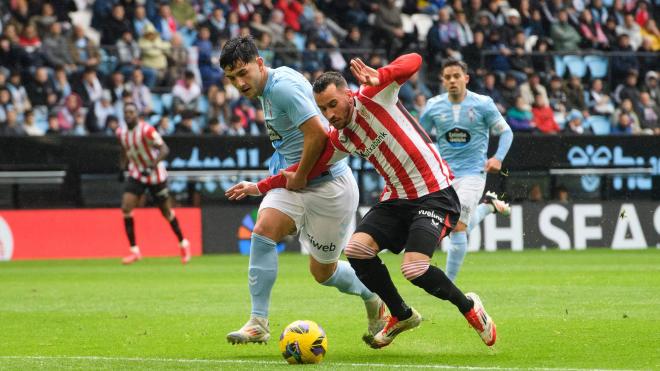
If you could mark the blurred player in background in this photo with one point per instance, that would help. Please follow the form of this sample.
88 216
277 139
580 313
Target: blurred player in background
323 214
463 120
144 150
418 206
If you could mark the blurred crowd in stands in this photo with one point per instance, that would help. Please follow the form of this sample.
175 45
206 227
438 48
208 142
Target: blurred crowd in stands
572 66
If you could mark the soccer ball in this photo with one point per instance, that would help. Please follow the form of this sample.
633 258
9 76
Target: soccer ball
303 342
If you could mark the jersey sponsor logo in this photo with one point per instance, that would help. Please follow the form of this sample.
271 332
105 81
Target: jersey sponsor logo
457 137
320 246
6 241
366 151
273 135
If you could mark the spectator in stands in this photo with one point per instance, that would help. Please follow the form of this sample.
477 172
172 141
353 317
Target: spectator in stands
598 12
542 64
19 95
413 87
496 12
519 117
532 87
389 28
163 125
53 125
217 24
235 127
598 101
498 62
140 21
117 86
257 26
543 116
45 20
29 39
165 23
650 31
288 54
30 126
188 33
154 50
418 105
472 54
561 194
12 56
244 9
312 61
182 11
652 87
177 61
140 92
245 111
102 110
491 89
510 91
128 51
291 12
90 89
623 64
185 126
623 124
575 96
564 36
10 126
115 26
520 62
210 73
82 49
511 27
592 34
56 49
632 29
628 90
558 99
186 94
233 25
111 125
214 127
67 114
648 62
5 103
463 29
442 38
650 115
574 123
218 106
41 91
609 30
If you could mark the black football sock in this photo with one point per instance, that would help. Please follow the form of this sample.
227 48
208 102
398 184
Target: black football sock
436 283
374 274
174 223
129 226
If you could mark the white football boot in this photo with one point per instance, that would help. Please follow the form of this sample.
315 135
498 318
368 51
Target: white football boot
254 331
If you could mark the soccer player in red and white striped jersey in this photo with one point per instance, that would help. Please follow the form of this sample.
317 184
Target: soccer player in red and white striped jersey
144 150
418 207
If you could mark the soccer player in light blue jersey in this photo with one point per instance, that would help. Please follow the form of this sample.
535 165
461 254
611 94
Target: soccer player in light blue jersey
463 121
323 213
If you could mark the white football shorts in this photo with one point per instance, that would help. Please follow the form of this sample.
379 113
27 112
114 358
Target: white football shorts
324 214
470 189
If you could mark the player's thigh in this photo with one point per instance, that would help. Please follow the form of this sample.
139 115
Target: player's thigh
280 214
469 189
133 189
161 195
329 219
436 215
387 224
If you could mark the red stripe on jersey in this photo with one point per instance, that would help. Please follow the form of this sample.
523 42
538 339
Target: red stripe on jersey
136 150
408 145
381 171
400 171
334 138
147 150
365 126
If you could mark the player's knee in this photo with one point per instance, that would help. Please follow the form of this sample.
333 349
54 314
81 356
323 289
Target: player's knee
322 272
357 250
460 227
127 211
414 268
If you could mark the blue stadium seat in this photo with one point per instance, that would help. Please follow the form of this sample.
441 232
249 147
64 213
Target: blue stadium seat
597 66
157 103
167 101
600 125
576 65
560 66
203 104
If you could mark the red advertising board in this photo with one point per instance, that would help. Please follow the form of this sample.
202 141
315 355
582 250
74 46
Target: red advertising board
92 233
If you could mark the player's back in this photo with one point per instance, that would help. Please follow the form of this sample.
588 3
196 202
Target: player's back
288 101
462 130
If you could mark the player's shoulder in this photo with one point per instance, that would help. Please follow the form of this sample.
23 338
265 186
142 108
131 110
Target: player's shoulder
479 99
285 77
438 100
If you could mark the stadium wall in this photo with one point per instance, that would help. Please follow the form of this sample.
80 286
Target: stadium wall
93 233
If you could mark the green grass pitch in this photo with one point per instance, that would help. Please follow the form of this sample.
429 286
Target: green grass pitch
554 310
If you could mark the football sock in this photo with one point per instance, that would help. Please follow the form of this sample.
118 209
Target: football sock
174 223
129 226
345 280
435 282
374 274
479 214
456 253
262 272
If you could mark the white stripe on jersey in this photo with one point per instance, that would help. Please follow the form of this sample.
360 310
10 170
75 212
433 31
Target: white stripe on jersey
141 153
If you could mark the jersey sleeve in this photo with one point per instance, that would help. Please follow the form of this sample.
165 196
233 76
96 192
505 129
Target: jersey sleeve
330 155
392 76
153 136
426 118
492 116
291 98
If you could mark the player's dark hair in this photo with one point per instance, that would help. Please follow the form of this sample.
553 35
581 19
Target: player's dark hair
327 79
239 49
452 63
131 104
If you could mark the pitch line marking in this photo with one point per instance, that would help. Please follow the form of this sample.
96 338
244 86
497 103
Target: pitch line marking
341 364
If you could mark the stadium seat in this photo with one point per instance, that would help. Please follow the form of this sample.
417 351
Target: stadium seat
576 65
423 22
597 66
600 125
203 104
157 103
407 24
167 101
560 66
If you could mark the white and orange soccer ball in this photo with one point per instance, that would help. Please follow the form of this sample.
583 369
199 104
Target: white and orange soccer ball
303 342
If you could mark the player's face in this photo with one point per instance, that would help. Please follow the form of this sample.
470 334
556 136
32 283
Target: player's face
130 116
455 80
335 105
248 78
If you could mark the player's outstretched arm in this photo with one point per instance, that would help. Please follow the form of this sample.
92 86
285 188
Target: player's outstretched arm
498 126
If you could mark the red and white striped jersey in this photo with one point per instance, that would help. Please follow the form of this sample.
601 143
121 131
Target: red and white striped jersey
383 132
141 145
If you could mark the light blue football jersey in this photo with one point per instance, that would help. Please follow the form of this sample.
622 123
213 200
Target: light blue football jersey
288 101
462 130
